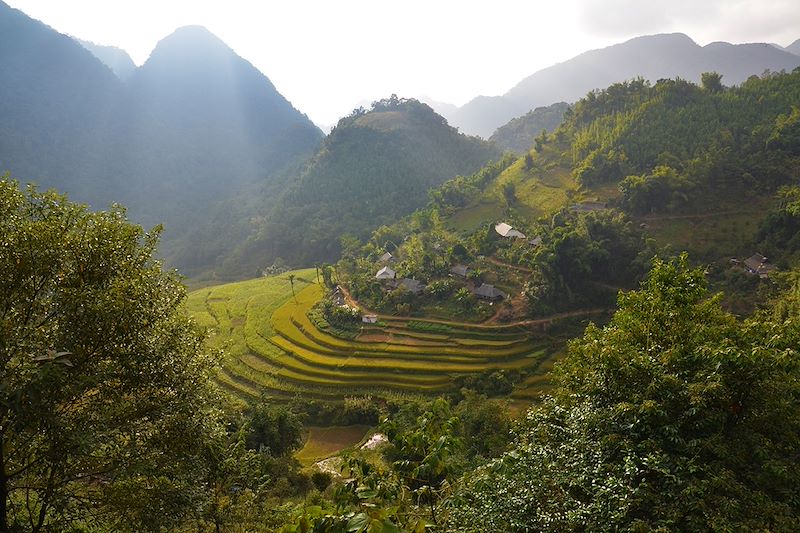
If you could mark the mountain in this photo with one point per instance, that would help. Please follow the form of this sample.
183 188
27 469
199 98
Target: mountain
374 167
54 96
652 57
200 124
794 47
194 126
443 108
114 58
519 133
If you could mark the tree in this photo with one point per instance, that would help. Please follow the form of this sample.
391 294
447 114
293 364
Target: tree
674 417
711 81
104 394
510 193
291 278
540 140
274 428
529 160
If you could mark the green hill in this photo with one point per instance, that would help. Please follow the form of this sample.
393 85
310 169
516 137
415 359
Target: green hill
635 170
375 167
519 133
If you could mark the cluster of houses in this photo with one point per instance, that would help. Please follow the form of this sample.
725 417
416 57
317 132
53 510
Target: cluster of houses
757 265
389 277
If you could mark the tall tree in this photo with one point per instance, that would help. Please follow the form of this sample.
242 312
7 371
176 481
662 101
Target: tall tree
104 396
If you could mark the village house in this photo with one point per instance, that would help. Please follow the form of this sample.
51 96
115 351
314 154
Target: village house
460 270
369 319
386 258
413 286
536 241
489 292
757 264
386 273
506 231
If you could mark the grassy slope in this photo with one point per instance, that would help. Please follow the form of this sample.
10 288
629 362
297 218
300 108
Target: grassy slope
720 226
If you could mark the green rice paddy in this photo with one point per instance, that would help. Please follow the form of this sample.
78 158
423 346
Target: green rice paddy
269 346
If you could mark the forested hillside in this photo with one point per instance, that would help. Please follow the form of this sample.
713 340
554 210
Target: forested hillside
375 166
519 133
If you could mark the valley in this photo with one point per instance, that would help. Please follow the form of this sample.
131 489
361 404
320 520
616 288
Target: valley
574 306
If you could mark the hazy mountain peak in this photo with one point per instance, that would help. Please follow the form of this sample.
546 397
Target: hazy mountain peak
114 58
190 45
794 48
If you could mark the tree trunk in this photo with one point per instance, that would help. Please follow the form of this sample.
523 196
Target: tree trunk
3 489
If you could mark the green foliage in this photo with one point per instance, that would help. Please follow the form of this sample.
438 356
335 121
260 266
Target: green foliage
274 429
519 133
664 188
105 397
632 125
786 134
779 233
711 81
509 193
673 417
428 326
580 254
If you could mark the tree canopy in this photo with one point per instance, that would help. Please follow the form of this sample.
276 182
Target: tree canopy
105 402
674 417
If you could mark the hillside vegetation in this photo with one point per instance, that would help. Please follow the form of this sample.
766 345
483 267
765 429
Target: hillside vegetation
519 134
376 166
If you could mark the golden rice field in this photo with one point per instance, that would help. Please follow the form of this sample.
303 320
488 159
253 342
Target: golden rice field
270 346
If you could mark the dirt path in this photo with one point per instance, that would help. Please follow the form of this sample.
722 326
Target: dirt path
532 322
656 218
497 262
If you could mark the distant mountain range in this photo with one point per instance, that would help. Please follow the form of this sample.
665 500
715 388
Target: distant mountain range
199 140
652 57
194 125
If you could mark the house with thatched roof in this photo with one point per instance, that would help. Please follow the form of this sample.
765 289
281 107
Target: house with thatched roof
460 270
489 292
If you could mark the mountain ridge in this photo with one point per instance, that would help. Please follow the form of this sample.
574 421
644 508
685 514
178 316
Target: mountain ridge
113 57
651 56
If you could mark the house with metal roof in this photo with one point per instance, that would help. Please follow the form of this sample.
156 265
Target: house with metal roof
505 230
386 273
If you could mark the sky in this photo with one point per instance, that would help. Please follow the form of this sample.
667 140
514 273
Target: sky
328 57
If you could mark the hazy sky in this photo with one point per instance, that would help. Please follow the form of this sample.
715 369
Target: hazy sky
327 56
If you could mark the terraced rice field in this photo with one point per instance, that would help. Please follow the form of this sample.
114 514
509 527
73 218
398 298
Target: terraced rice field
270 346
